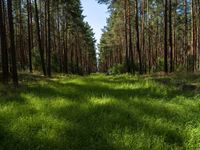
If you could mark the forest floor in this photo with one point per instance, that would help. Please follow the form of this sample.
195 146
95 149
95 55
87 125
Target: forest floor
101 112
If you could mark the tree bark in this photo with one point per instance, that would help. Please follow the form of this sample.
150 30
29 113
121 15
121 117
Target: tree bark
4 50
170 36
12 43
126 36
138 36
49 40
166 38
39 39
29 37
132 65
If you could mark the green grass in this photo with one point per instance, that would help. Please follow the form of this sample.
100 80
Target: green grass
100 113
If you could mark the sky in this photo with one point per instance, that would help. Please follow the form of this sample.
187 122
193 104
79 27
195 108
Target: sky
96 15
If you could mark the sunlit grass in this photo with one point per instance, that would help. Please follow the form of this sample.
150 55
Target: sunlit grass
100 112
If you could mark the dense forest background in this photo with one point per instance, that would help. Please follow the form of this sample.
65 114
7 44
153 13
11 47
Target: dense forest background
45 36
141 36
151 36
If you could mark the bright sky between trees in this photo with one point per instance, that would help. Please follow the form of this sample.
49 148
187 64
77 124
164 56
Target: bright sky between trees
96 15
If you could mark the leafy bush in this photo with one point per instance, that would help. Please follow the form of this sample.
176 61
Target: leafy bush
117 69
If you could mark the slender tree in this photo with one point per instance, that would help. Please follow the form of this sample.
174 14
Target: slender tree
132 65
29 35
170 36
39 39
166 37
126 36
49 40
4 51
12 43
138 36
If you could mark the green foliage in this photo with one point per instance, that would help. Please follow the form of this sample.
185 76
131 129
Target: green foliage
100 112
36 59
160 65
116 70
55 63
193 138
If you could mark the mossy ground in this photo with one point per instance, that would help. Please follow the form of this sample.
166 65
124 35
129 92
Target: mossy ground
100 112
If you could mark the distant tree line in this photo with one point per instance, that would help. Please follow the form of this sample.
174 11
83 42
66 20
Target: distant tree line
148 36
49 35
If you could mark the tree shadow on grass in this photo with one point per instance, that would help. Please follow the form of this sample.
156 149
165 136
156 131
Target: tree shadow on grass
11 94
6 138
94 123
188 83
101 120
80 94
98 90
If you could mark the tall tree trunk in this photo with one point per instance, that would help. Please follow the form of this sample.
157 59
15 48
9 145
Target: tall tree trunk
126 36
170 36
185 32
166 38
149 40
193 35
132 65
49 40
143 35
21 50
76 54
198 31
29 37
39 39
65 44
138 36
174 37
4 50
12 43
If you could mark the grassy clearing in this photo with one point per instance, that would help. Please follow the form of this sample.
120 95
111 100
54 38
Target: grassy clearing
100 113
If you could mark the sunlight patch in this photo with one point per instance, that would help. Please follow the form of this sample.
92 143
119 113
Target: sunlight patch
101 101
139 139
6 109
60 103
40 127
37 104
193 140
